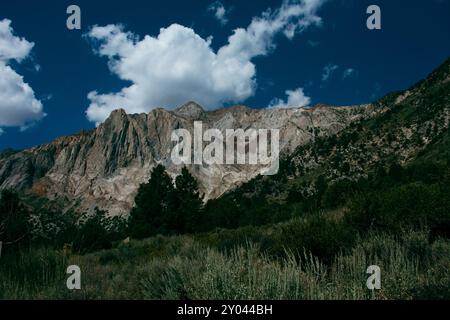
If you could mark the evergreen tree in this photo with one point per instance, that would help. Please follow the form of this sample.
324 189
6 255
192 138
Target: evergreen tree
153 205
14 220
92 234
188 203
321 187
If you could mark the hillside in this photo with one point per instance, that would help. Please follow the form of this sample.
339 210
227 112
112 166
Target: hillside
409 128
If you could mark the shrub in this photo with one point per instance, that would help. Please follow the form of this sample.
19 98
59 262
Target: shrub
412 205
97 231
14 221
320 235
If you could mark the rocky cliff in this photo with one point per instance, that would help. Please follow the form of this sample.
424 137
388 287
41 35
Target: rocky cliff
104 167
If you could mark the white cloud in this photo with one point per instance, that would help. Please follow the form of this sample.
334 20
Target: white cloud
178 65
328 71
11 46
219 11
18 105
295 98
350 72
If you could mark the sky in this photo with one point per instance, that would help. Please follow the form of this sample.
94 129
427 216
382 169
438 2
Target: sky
139 55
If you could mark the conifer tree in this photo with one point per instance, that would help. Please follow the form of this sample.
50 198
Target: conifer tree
188 202
153 205
14 220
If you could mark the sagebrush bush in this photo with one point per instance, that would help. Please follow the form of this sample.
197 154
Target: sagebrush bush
413 267
244 273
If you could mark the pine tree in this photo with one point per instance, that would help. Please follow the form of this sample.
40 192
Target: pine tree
188 203
92 234
153 205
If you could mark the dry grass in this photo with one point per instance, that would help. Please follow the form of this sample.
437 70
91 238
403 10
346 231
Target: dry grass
181 268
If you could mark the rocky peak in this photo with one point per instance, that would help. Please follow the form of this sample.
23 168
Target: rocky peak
116 115
191 110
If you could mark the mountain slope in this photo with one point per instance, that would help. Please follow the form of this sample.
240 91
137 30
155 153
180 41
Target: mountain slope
104 167
409 128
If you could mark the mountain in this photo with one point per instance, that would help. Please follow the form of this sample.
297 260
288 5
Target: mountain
104 167
409 132
374 192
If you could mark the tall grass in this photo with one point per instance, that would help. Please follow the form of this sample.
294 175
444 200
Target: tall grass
34 273
183 268
245 273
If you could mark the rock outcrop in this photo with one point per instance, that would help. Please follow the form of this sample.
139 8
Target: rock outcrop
104 167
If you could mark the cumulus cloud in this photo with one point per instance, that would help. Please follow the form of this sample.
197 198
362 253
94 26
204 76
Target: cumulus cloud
328 71
11 46
219 11
18 105
295 99
178 65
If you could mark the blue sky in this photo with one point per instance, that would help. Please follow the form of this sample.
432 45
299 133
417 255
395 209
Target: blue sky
323 55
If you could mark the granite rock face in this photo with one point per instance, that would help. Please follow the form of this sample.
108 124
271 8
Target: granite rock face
104 167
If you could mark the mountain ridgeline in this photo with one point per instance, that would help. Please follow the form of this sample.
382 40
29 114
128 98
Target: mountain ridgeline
104 167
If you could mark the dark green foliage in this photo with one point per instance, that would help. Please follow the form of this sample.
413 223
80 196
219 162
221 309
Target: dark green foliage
53 228
188 203
320 235
414 205
162 208
321 186
153 205
338 193
21 227
396 173
98 231
26 272
14 221
223 212
391 200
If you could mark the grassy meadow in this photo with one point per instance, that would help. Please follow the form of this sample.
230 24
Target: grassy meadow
206 267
